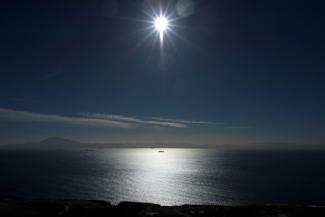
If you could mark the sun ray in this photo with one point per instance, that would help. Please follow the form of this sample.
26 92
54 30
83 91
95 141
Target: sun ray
188 42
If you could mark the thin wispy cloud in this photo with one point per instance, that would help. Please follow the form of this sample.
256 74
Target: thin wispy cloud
239 127
186 121
24 116
55 73
156 121
97 120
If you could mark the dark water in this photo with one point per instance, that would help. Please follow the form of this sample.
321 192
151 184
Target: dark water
177 176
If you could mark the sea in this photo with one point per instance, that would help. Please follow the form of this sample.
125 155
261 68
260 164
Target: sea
167 176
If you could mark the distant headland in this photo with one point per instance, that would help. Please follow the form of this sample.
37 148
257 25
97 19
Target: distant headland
54 143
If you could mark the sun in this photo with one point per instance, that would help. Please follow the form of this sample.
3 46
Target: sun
161 24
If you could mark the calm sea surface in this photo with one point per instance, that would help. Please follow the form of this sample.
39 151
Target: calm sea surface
177 176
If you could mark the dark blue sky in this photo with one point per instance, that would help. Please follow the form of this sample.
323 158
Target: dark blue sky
236 72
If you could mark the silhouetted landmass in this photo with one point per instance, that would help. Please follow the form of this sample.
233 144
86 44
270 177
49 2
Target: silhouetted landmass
78 208
62 143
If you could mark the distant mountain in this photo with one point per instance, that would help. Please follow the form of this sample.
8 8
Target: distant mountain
58 140
53 143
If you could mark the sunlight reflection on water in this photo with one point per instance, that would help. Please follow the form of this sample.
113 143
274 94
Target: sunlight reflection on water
173 177
170 177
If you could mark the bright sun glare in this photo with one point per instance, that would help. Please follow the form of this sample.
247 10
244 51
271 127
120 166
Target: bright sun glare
161 24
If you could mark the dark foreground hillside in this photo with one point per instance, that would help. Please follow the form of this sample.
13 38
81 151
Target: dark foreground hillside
80 208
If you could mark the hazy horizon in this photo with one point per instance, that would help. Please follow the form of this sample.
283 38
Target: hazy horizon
53 143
